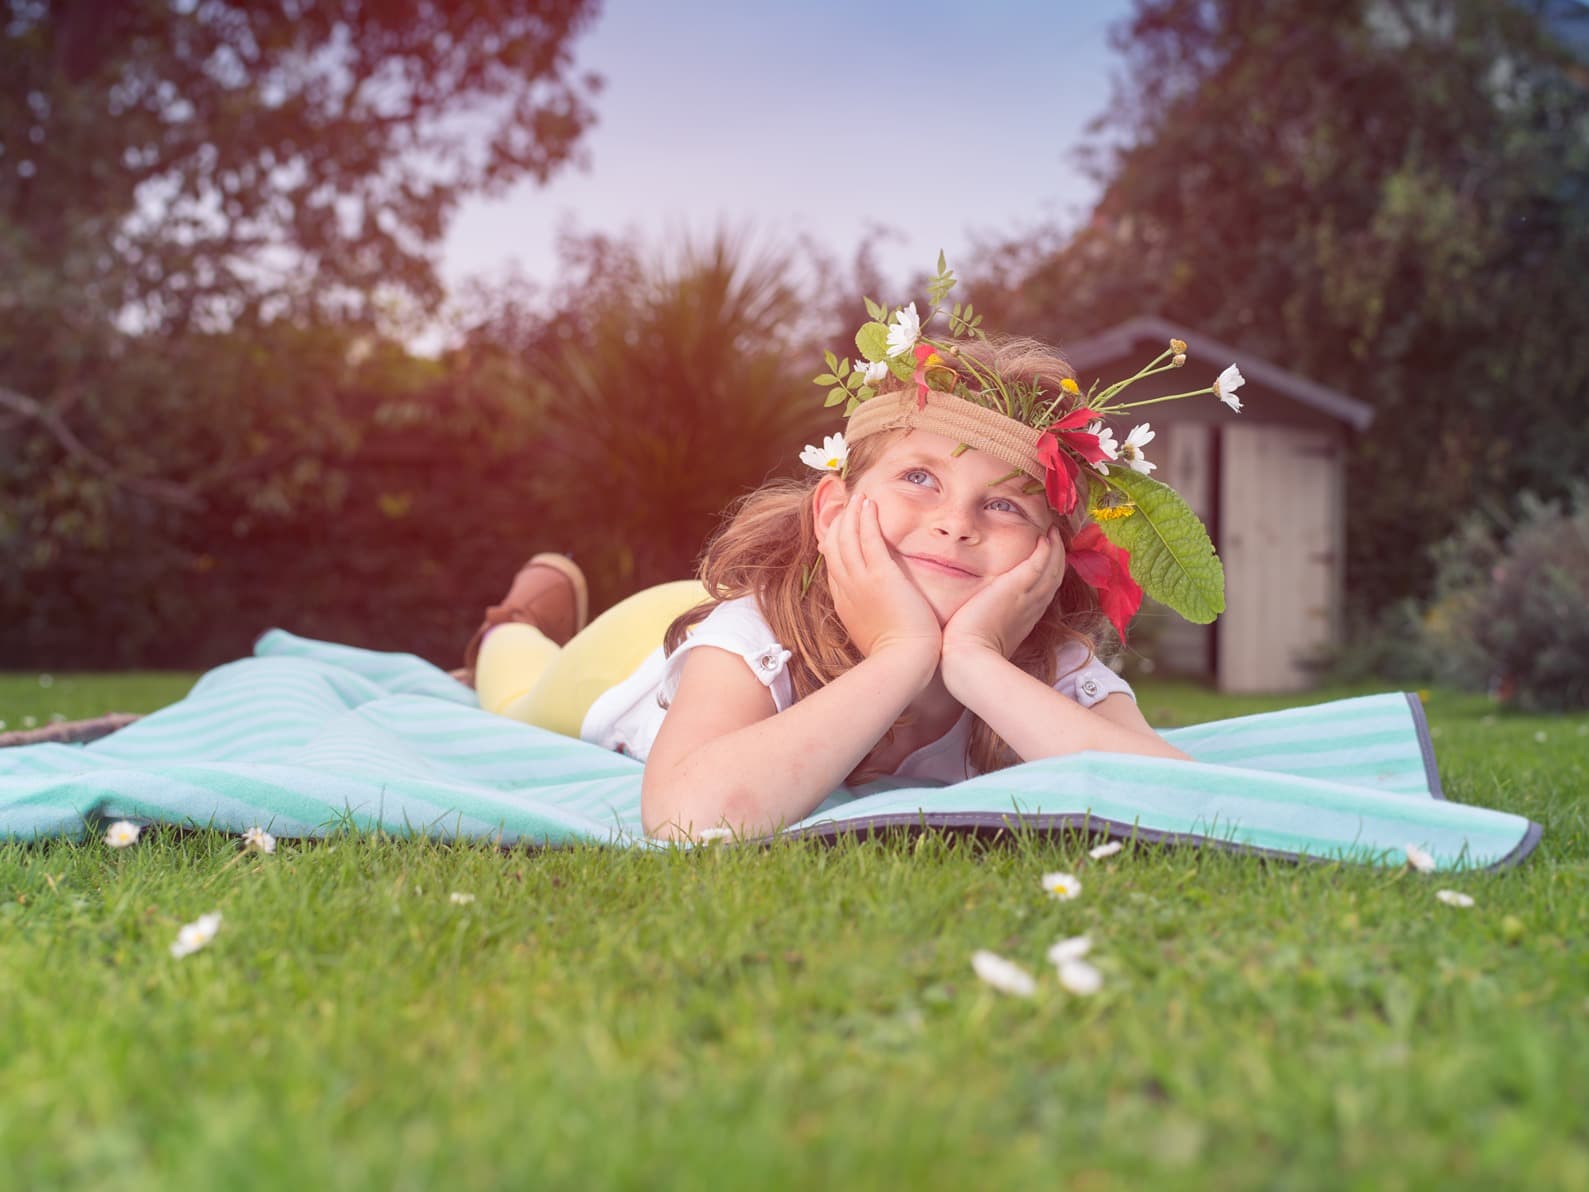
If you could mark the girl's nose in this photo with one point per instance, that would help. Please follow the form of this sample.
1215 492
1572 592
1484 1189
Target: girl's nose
957 526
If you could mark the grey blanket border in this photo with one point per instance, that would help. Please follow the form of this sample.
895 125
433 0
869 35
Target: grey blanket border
1425 743
991 824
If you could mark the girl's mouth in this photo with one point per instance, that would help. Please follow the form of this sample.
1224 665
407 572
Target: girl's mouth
941 567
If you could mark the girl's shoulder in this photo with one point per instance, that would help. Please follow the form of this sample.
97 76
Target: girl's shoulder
739 627
1085 677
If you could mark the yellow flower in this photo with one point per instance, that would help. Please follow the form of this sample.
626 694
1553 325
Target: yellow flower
1112 512
1069 386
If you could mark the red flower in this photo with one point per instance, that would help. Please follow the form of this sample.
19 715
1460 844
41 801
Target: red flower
1107 568
1060 471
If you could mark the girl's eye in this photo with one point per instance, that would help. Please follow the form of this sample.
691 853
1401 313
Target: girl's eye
915 472
1009 506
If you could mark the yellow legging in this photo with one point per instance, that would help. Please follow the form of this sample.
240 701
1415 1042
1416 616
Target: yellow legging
522 674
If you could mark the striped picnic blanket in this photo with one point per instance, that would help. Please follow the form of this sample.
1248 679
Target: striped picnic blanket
308 738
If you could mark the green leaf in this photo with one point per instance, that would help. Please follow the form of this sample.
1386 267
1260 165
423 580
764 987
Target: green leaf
902 370
875 310
1171 555
825 379
850 409
871 341
844 367
831 360
835 396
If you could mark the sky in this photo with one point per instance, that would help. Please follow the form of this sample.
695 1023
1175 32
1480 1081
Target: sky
936 121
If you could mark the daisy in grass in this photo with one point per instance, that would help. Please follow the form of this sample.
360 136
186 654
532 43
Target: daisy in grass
1453 898
714 835
459 898
122 833
1068 950
1418 859
1062 886
1105 850
257 840
195 935
1080 978
1004 975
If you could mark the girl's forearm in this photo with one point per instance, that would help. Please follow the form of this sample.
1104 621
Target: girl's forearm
778 770
1036 720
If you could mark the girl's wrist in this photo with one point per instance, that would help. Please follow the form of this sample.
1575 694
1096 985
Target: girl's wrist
962 660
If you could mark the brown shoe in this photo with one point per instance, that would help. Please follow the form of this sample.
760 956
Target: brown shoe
548 592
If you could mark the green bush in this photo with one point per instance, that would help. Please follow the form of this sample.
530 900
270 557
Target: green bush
1511 607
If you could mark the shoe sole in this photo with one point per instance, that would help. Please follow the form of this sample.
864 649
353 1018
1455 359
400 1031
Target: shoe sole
576 577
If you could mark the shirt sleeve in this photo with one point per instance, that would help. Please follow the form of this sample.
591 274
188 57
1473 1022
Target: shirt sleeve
738 627
1087 680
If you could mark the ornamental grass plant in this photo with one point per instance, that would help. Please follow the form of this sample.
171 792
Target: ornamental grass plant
385 1013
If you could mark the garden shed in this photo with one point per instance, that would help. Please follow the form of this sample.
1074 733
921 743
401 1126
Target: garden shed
1270 485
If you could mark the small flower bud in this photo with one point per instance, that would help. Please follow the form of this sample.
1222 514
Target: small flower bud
1178 346
1180 359
1070 386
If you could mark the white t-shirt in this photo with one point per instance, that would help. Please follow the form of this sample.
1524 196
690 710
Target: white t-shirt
627 718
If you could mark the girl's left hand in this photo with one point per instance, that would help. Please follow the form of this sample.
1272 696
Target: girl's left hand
1000 616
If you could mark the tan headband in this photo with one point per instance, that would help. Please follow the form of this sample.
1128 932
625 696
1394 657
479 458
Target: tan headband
953 417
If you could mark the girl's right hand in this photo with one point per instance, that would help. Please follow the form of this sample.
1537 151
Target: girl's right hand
875 599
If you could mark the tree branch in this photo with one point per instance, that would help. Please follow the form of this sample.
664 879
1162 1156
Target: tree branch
163 491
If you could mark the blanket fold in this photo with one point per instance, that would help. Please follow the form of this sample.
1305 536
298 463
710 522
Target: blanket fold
307 738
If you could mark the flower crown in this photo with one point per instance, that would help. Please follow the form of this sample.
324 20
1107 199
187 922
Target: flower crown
1143 538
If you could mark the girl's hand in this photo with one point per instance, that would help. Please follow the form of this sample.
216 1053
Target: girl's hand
875 599
999 617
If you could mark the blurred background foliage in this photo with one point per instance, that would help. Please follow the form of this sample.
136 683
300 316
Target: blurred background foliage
209 422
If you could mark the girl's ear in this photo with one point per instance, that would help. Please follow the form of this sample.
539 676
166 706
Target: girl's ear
827 502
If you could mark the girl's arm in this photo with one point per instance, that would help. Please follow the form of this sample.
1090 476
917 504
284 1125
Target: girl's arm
722 757
1038 721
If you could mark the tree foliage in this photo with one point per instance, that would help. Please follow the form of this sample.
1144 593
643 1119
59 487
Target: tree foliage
1388 196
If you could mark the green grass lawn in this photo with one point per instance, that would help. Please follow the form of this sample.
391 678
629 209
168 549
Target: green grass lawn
801 1015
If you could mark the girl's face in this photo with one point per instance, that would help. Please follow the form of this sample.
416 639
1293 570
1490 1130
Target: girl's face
950 531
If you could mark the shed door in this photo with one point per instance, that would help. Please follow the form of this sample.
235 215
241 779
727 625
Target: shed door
1280 498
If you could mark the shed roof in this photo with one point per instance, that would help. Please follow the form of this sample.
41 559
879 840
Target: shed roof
1122 338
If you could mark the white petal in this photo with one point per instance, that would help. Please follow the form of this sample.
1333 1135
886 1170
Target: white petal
459 898
1004 975
1418 859
1105 850
121 833
1226 384
815 457
876 370
1080 978
1070 949
1453 898
1141 436
1063 886
904 331
714 835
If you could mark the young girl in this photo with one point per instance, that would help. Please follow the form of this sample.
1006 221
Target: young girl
928 605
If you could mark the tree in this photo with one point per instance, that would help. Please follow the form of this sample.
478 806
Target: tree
1390 196
180 180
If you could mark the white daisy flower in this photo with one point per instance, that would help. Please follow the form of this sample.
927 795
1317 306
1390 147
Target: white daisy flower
1106 443
1131 449
1418 859
904 331
1105 850
1453 898
830 457
1067 950
195 935
122 833
1004 975
1226 384
459 898
714 835
1080 978
1062 886
257 840
874 371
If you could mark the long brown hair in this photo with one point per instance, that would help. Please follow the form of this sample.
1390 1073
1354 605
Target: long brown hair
769 540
